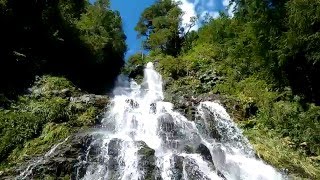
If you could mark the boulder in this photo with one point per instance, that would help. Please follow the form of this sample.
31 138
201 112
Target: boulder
96 100
205 152
146 160
113 165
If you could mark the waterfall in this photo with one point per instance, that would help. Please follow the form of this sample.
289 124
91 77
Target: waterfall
143 137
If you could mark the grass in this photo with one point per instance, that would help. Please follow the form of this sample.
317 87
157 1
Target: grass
277 151
51 135
49 83
88 117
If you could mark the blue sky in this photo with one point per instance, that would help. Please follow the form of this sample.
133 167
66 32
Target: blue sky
130 11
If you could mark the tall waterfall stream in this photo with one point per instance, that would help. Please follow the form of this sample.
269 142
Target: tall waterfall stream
143 137
142 133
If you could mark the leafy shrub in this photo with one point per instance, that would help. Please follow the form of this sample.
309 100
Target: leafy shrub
49 85
200 57
16 128
51 134
290 119
87 118
277 151
27 119
171 67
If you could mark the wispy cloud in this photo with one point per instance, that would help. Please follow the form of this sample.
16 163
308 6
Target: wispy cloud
211 7
230 7
189 11
226 2
201 8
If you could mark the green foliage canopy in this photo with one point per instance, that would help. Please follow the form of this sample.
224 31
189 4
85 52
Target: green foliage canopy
76 39
159 25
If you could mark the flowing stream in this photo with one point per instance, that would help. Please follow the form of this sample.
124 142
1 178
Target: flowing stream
142 137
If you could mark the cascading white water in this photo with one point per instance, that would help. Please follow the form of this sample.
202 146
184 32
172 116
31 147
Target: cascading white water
144 138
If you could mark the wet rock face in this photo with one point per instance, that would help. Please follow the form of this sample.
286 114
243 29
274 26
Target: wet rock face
187 168
177 170
60 163
192 171
153 108
173 135
187 105
96 100
146 160
205 152
132 103
113 164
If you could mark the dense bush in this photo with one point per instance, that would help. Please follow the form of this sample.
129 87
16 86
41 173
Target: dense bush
299 123
16 128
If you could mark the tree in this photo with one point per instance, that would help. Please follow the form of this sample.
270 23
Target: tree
299 50
101 29
135 65
82 41
159 25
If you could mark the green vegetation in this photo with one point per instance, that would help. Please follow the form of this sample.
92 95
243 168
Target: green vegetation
37 121
279 152
75 39
264 61
69 44
159 26
51 134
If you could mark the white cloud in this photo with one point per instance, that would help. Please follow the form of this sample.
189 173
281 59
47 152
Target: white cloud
192 8
231 9
214 14
189 11
225 2
201 7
